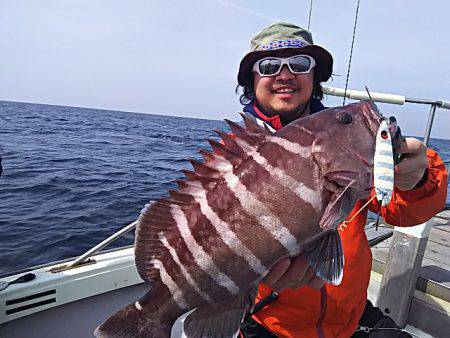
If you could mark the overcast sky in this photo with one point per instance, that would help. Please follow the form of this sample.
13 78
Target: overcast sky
181 57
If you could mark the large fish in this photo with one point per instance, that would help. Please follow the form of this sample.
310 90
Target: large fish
257 198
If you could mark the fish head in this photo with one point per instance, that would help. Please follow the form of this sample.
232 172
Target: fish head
342 142
344 147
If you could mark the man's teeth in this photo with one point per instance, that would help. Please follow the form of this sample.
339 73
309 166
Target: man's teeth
285 90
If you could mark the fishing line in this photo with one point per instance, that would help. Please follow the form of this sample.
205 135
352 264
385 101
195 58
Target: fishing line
351 53
367 329
310 11
345 223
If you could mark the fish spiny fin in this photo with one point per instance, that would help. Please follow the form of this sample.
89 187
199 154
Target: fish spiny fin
190 175
156 219
223 152
219 320
242 133
251 125
326 257
204 180
181 184
203 170
257 131
229 141
181 198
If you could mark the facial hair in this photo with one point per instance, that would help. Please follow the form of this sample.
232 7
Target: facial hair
287 116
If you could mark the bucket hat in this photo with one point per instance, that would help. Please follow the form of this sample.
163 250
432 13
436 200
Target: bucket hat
289 38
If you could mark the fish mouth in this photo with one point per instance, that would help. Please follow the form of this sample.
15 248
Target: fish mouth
359 183
337 181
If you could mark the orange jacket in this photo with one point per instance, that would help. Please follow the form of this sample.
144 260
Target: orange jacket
334 311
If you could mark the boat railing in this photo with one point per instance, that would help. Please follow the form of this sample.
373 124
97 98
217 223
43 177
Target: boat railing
392 99
102 245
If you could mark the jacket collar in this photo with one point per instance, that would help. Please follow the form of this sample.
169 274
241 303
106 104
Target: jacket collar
275 121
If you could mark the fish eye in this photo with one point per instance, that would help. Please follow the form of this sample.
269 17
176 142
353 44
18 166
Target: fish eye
345 119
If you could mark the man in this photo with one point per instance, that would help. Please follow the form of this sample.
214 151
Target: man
280 78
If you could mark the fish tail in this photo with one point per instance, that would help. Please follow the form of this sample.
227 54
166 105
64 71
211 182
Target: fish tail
151 316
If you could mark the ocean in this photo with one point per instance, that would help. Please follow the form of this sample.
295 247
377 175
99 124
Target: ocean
74 176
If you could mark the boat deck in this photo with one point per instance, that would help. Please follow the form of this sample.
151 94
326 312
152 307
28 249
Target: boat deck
435 263
430 306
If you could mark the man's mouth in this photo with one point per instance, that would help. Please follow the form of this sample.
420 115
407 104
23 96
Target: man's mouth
284 90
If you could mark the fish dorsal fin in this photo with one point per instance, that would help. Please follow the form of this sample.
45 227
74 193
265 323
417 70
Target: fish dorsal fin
157 220
254 128
326 257
219 320
203 170
230 143
181 198
242 133
220 153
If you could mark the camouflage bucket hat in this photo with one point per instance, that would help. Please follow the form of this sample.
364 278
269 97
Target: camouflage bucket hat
288 39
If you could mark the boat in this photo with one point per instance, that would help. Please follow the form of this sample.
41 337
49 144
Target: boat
70 298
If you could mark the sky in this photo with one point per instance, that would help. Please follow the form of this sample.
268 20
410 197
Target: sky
181 57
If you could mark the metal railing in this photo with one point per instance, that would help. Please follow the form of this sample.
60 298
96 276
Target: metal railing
102 245
392 99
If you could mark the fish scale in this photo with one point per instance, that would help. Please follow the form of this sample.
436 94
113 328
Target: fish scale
256 198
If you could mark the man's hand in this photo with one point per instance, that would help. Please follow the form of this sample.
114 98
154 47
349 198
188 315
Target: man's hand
292 273
412 168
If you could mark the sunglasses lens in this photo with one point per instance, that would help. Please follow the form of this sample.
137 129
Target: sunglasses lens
269 66
300 64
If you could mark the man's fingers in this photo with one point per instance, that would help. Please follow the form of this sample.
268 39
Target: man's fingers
276 272
411 164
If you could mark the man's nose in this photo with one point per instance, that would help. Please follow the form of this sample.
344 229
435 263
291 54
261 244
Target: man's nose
285 73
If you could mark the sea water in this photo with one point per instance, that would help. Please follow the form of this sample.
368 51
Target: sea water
74 176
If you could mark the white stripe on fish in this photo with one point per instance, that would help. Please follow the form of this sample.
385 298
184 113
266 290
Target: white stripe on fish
175 290
255 208
226 233
290 146
305 193
200 256
137 305
184 271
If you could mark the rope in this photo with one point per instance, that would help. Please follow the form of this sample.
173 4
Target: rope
310 11
351 53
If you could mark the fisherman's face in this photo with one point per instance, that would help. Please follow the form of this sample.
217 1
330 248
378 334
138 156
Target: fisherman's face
285 94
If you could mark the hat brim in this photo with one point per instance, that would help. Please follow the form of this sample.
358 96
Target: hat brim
323 69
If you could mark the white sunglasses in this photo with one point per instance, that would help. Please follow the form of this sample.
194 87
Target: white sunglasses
297 64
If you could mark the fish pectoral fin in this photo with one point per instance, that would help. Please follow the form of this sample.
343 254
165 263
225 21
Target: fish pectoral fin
219 320
326 257
337 209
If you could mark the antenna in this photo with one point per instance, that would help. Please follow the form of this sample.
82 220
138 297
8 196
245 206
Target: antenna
351 53
368 93
310 11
